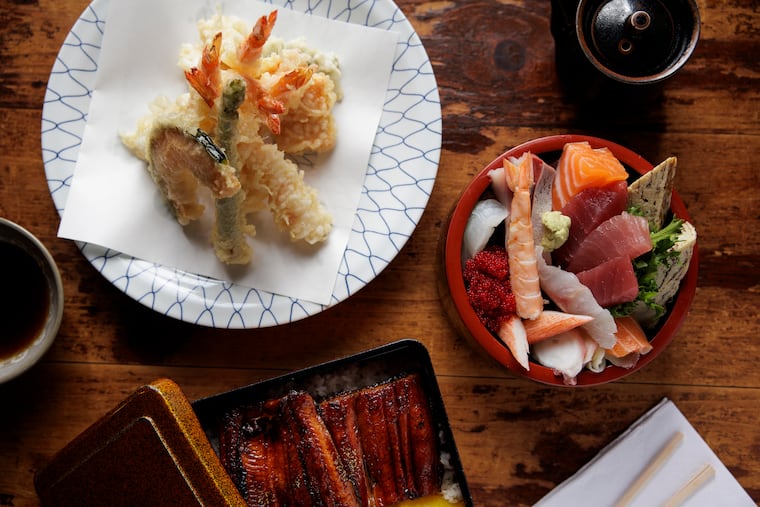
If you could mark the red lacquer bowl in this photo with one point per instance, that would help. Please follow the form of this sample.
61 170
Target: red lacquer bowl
454 296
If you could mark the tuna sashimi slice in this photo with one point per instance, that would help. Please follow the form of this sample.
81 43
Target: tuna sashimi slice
623 235
587 210
611 282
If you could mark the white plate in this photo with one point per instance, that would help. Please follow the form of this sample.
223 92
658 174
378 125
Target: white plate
400 176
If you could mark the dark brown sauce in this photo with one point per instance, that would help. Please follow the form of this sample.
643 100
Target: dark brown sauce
24 299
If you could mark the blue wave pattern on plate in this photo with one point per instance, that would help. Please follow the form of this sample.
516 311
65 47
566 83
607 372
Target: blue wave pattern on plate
400 176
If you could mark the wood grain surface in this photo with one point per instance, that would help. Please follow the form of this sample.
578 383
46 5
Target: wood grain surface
499 86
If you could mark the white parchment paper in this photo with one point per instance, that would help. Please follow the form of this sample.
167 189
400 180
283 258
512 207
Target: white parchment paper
114 203
603 480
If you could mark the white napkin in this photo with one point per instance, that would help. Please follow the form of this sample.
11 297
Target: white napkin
603 480
114 203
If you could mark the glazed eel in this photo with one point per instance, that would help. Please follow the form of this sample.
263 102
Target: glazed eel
372 447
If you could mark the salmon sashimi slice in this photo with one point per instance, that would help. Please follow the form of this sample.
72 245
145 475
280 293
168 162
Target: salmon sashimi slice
580 167
630 338
623 235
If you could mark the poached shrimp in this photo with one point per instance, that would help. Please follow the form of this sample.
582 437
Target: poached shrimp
520 245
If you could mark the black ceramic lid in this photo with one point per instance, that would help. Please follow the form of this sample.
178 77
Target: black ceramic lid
637 40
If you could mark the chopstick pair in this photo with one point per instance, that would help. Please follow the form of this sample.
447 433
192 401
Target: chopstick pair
689 488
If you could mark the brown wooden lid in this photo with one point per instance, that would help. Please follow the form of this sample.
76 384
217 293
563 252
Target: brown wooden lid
150 450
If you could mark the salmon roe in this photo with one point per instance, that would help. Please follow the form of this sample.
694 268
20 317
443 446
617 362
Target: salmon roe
486 279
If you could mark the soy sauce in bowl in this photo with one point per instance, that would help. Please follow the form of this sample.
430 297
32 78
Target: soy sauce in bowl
31 300
24 299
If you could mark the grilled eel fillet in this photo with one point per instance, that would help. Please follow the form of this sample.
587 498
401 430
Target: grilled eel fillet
280 453
398 442
372 447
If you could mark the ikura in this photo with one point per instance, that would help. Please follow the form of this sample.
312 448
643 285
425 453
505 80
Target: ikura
489 291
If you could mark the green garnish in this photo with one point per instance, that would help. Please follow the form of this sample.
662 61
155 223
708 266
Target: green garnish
646 268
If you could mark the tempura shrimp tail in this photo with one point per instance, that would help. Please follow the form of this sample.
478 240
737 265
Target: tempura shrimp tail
520 243
230 228
206 78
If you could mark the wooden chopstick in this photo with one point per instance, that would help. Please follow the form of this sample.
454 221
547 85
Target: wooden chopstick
692 485
650 470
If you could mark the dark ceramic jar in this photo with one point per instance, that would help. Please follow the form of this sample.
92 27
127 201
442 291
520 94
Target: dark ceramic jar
614 47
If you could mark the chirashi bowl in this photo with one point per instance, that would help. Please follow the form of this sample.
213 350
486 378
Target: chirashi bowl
452 285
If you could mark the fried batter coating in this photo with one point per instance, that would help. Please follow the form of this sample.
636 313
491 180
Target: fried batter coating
230 227
290 91
177 163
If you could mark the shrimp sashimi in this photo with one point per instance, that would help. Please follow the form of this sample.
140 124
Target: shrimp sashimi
580 166
520 243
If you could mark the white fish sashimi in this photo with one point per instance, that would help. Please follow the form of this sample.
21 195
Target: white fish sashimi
566 354
542 196
499 186
568 293
485 217
542 200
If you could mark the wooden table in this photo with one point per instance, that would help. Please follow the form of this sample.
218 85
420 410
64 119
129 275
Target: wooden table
517 439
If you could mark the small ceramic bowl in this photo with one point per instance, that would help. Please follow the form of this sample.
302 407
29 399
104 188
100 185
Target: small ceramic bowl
451 282
33 300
